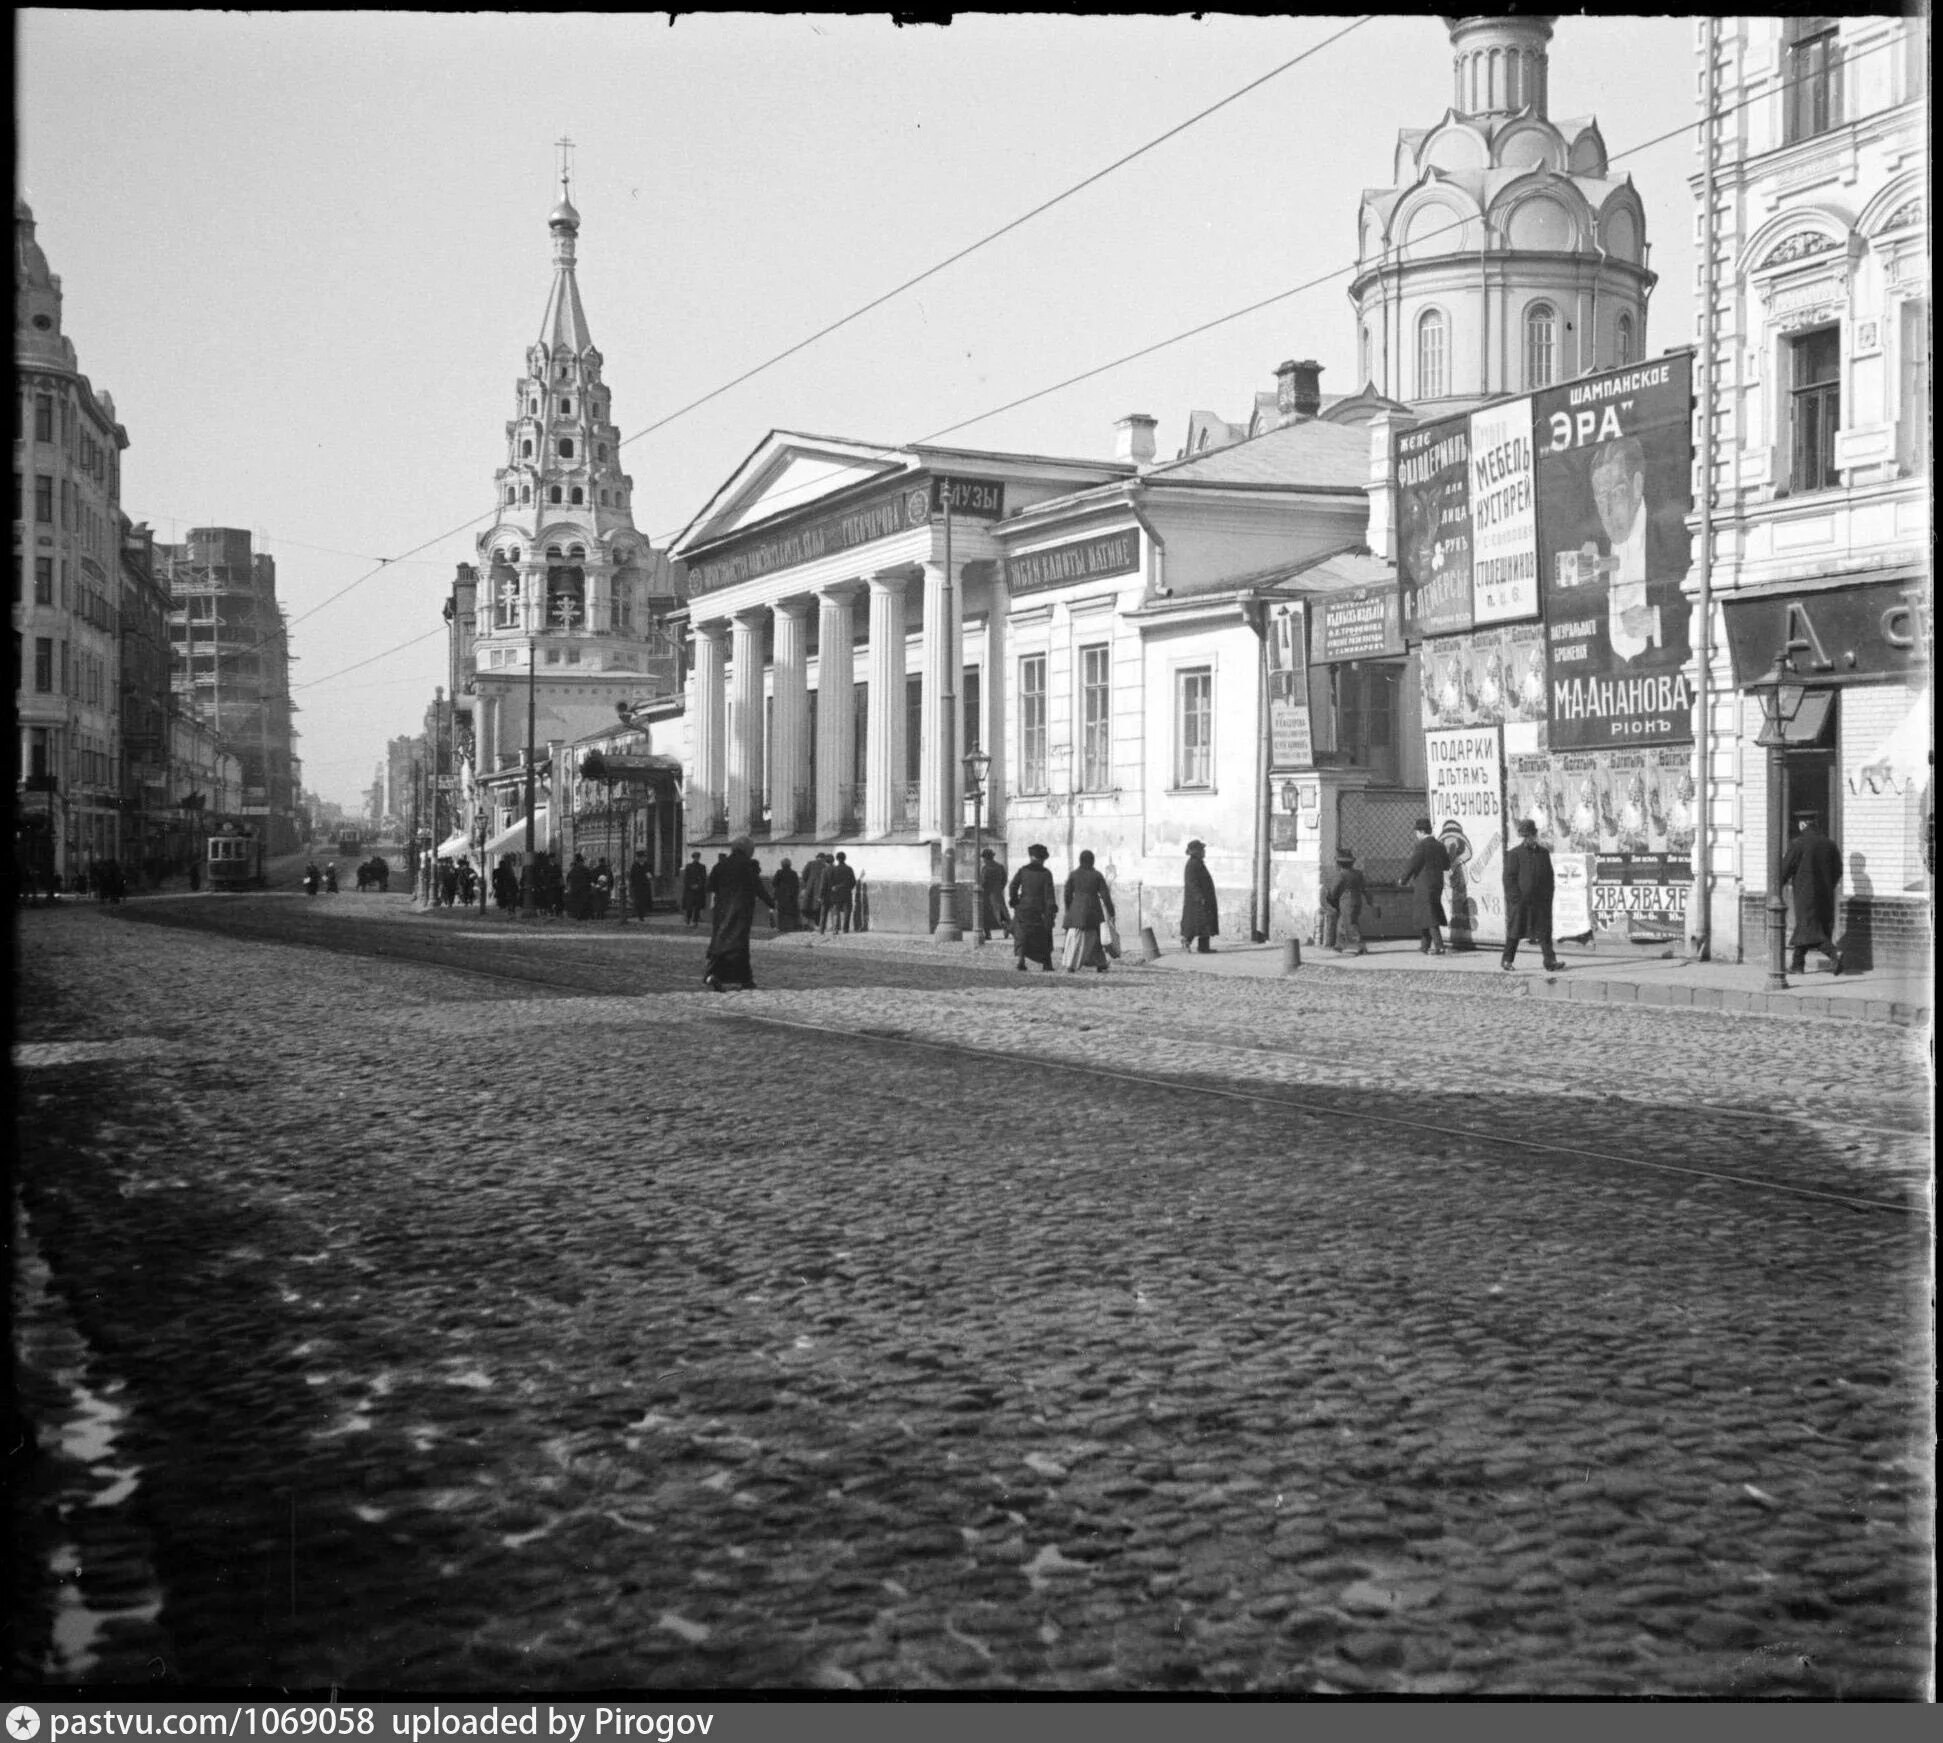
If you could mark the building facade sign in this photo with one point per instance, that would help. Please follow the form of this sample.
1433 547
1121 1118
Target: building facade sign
1362 623
1861 632
1615 467
1504 567
969 498
1093 559
1432 464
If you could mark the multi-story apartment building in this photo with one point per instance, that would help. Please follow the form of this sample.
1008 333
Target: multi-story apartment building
153 834
1813 480
231 664
67 556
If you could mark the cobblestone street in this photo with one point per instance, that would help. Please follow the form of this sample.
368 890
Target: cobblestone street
490 1313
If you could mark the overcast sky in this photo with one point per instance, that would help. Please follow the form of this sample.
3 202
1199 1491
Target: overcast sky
306 252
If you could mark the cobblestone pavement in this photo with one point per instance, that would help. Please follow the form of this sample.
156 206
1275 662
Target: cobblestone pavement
466 1332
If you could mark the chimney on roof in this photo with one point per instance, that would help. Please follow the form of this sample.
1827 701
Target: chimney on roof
1135 438
1298 390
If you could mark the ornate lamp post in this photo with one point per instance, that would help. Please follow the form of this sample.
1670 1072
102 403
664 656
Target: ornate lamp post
1781 695
977 764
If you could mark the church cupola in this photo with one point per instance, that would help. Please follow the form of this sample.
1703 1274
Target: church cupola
1500 64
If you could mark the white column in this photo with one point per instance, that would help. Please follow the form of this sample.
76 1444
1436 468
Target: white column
940 809
706 712
884 727
790 800
836 710
533 597
745 722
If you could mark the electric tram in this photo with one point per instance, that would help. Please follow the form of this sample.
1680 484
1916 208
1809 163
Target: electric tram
236 859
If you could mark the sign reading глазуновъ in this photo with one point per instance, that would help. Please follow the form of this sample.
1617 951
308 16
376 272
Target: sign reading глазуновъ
1615 470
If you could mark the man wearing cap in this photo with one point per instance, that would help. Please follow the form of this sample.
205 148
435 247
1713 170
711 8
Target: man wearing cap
1200 919
738 888
1813 865
1528 896
1033 896
1424 878
1344 899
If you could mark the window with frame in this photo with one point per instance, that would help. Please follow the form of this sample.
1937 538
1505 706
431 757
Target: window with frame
1813 95
1541 345
1032 723
1431 376
43 580
44 664
1368 702
1913 421
1815 409
44 418
44 499
1623 351
1194 727
971 731
1096 717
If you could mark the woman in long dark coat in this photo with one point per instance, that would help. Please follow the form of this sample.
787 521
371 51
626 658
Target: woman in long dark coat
1034 897
1424 877
1089 902
789 888
1200 918
738 888
580 890
1813 866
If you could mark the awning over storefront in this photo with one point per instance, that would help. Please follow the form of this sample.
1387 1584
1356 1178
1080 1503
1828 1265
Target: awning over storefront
512 839
454 845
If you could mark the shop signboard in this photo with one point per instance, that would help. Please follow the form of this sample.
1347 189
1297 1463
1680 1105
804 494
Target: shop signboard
1361 623
1466 780
1615 461
1491 677
1290 742
1432 466
1094 559
1504 528
969 498
881 514
1858 633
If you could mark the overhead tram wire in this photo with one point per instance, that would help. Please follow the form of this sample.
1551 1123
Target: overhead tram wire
1003 230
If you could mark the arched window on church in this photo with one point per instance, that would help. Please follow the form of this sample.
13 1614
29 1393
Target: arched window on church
566 596
566 408
526 450
600 451
1369 373
505 590
509 496
626 585
577 496
566 447
1541 345
553 493
526 495
1432 373
1624 352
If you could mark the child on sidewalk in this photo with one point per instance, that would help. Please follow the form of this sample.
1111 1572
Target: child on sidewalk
1344 899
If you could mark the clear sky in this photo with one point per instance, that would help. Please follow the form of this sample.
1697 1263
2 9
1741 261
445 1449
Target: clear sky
305 252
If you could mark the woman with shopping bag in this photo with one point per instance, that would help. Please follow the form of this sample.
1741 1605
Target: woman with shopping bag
1089 908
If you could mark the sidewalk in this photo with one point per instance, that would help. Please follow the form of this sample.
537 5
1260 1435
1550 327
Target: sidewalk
1616 974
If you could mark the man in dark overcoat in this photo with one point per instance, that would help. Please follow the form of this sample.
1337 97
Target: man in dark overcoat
839 896
814 876
993 920
640 887
1528 896
1035 899
694 888
1812 866
1424 878
738 888
1200 918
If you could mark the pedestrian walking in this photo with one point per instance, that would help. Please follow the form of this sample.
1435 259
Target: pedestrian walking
1089 905
1200 918
1035 900
1811 869
580 889
788 888
694 888
1344 899
991 895
839 893
505 885
330 879
1528 897
738 888
640 887
814 876
1424 876
555 886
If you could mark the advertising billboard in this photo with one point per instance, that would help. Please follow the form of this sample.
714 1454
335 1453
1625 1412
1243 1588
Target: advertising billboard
1361 623
1615 454
1290 742
1433 472
1492 677
1504 527
1466 778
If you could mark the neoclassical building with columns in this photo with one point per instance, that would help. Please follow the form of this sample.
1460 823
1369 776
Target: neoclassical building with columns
847 628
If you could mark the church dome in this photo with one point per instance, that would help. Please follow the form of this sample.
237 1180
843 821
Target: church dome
564 216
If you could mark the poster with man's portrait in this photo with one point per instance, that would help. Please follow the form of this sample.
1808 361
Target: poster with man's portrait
1615 459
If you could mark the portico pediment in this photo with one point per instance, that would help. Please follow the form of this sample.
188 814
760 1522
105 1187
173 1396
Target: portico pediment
787 472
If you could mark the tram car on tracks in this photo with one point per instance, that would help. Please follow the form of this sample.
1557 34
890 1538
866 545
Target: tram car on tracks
236 859
349 844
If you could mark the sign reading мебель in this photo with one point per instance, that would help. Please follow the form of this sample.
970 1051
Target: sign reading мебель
1466 777
896 508
1095 559
1615 469
1432 464
1504 531
1291 745
1364 623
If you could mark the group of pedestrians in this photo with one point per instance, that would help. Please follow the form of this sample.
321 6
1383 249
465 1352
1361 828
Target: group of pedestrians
826 896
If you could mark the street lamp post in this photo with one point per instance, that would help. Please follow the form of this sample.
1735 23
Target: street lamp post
977 763
528 900
1781 695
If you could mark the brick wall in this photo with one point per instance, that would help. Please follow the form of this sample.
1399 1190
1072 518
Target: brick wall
1891 934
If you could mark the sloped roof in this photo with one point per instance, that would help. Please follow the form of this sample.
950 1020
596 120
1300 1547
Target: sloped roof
1313 453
